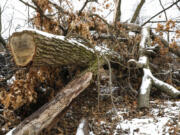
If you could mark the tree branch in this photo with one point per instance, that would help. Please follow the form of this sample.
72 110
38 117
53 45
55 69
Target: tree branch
0 21
160 12
101 19
27 4
117 11
178 6
2 41
83 7
165 17
137 11
85 4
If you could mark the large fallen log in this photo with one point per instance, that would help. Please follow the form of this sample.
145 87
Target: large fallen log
43 117
42 48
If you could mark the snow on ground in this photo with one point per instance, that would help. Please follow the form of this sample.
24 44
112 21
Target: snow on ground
161 121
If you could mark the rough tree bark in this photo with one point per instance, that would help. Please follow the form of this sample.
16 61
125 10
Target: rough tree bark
41 49
43 117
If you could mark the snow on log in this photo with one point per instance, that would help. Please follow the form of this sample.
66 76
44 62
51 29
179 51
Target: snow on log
167 88
43 117
42 48
143 100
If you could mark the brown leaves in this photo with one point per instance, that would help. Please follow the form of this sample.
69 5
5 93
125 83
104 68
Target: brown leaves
170 24
20 93
177 33
24 89
43 5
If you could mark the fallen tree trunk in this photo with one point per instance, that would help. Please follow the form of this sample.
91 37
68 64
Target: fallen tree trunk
42 48
43 117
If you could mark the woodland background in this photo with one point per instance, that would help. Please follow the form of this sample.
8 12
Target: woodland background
115 31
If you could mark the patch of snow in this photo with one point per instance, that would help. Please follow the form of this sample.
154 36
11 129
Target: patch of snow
11 80
146 81
156 123
106 90
132 33
80 128
145 35
10 132
161 83
102 49
91 133
143 60
46 34
102 122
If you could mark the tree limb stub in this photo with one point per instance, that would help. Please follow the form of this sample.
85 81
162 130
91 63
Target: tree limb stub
40 119
42 48
137 11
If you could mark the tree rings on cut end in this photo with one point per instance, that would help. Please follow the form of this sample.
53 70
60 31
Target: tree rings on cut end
22 47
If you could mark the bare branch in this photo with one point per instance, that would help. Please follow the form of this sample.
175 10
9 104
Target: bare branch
1 38
160 12
117 11
178 6
60 9
83 7
27 4
85 4
161 21
0 21
165 17
101 19
137 11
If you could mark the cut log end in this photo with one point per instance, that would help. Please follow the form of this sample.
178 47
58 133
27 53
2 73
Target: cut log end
23 48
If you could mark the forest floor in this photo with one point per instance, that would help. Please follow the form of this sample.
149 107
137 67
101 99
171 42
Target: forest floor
160 119
125 119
